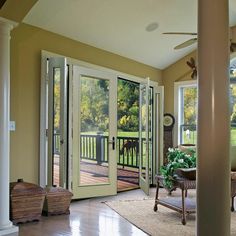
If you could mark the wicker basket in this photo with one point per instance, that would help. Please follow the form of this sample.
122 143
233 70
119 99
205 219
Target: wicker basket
26 201
187 173
57 201
187 148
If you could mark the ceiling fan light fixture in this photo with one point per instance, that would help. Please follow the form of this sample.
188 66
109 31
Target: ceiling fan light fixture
152 26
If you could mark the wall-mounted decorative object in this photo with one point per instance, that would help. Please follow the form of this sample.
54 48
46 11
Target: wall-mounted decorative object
168 122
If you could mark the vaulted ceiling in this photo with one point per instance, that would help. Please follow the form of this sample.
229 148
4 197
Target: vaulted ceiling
120 26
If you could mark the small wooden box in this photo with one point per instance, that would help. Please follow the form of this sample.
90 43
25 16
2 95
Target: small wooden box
26 201
57 201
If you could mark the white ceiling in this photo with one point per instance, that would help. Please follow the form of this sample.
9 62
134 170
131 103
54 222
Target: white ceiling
119 26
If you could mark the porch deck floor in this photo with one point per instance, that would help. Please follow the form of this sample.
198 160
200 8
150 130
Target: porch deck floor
92 173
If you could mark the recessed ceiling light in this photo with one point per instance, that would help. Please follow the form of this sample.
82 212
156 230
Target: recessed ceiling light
152 26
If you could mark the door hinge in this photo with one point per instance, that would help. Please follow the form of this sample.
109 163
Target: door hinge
71 185
46 132
71 132
47 71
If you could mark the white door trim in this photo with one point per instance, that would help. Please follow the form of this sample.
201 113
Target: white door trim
43 106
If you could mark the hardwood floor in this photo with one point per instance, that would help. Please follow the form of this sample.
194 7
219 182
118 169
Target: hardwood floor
90 217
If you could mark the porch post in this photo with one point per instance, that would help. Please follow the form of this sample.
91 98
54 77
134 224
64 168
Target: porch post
213 175
6 226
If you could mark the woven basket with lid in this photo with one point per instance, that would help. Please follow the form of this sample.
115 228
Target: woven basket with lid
26 201
57 201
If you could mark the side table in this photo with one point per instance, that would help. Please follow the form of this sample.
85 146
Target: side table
182 205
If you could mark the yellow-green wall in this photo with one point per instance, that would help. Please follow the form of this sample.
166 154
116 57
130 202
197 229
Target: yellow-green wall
26 45
16 10
178 71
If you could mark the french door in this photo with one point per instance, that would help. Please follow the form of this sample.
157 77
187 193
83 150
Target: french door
79 130
151 102
94 125
56 122
158 126
145 137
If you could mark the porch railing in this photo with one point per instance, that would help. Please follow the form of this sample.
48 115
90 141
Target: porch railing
94 147
128 151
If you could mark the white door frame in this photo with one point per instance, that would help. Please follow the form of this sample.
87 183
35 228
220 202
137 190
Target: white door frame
158 126
43 109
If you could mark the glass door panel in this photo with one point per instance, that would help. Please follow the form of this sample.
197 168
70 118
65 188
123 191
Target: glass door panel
150 133
144 142
94 130
94 133
158 138
56 126
57 122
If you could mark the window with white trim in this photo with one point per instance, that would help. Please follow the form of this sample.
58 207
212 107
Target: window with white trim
186 109
186 112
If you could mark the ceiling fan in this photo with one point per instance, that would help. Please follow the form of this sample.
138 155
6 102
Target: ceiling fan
192 64
2 2
186 43
194 40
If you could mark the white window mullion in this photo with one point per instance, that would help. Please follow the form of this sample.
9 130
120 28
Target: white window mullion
179 107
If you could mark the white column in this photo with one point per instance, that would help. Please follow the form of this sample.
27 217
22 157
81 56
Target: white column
6 226
213 187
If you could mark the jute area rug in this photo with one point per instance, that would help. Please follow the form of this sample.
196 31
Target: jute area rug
164 222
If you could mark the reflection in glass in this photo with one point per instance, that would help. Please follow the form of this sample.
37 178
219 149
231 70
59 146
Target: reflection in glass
94 128
56 125
144 119
146 115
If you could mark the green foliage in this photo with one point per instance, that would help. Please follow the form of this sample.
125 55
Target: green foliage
94 104
177 159
128 105
57 94
190 106
233 103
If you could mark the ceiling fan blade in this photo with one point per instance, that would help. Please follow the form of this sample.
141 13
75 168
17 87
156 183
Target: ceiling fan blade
2 2
186 43
181 33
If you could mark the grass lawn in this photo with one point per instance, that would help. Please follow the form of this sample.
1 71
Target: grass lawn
192 138
233 136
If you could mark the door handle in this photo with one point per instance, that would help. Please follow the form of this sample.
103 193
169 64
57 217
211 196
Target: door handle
112 142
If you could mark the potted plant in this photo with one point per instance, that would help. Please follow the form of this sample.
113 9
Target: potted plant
179 163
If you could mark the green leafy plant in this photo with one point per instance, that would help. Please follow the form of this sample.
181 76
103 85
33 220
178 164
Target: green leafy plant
177 159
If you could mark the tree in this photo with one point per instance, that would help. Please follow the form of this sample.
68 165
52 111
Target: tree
128 105
94 104
190 106
57 101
